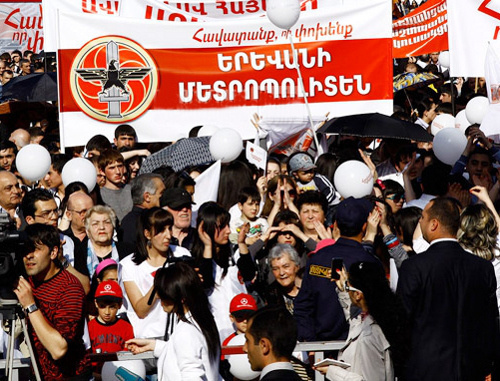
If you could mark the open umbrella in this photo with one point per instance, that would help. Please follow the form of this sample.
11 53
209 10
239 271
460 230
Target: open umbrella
37 87
375 125
413 80
181 154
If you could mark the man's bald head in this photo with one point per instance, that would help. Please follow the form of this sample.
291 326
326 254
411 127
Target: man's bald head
20 138
78 204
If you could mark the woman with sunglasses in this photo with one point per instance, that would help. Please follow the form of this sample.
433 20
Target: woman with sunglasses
192 351
281 195
377 340
393 194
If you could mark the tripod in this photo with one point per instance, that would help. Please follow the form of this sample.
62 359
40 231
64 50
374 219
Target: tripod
10 313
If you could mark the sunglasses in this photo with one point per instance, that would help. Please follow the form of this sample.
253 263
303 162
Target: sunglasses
350 288
396 197
292 193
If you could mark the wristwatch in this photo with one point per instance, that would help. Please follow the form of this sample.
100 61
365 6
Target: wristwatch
31 308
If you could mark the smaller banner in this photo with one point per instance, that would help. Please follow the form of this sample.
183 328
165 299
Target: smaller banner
256 155
21 27
472 24
423 31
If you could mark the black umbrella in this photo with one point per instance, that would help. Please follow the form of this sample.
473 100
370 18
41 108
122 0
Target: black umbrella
37 87
375 125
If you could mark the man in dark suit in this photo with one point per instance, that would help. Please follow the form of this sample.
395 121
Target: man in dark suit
450 296
270 339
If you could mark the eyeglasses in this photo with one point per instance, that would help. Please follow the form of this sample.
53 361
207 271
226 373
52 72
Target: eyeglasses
350 288
45 214
396 197
81 213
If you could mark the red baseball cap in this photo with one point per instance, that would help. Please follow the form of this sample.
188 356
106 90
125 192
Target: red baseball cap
109 290
242 303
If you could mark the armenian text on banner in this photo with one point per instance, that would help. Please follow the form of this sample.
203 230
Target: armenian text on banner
21 26
182 11
165 78
472 24
423 31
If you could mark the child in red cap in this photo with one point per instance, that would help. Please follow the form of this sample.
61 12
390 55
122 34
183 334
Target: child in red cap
108 333
241 308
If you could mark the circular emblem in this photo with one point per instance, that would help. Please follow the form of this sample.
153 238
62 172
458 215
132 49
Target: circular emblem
113 79
244 301
107 287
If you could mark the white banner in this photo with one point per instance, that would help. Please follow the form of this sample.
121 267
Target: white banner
185 74
185 11
472 24
21 27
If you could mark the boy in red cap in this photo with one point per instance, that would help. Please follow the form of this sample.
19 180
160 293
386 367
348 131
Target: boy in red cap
107 332
241 308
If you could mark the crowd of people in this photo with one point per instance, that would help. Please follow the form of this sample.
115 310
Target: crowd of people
125 266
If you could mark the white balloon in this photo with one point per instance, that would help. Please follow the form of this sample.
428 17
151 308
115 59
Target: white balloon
461 121
33 162
283 13
240 366
353 178
441 122
476 109
208 130
226 145
79 169
444 59
449 144
110 370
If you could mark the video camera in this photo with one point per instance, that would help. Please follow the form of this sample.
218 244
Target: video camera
12 243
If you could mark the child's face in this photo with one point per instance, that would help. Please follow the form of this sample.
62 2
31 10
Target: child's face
250 209
107 311
110 274
240 322
305 176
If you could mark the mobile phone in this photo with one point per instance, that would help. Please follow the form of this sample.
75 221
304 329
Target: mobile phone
337 265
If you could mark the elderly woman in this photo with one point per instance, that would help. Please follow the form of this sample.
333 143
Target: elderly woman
284 262
99 225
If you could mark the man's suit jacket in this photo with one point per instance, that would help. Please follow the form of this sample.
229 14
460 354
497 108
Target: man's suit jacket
281 374
450 296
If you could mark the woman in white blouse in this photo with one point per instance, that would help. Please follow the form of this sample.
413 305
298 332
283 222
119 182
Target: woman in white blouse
193 350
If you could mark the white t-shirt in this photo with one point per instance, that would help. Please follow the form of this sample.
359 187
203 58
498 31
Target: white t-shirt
154 324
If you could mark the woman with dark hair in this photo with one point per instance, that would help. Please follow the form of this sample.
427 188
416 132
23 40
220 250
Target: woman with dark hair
273 168
192 351
378 334
221 277
233 177
327 164
137 271
282 199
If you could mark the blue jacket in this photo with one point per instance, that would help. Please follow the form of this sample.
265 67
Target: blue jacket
317 310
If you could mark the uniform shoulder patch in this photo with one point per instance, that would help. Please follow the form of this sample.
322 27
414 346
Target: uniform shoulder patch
320 271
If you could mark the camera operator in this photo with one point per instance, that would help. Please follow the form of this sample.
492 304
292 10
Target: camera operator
54 303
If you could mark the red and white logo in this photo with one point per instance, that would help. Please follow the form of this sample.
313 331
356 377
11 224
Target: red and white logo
113 79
